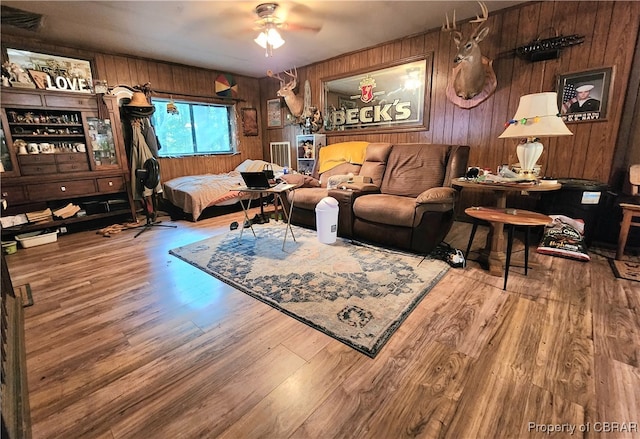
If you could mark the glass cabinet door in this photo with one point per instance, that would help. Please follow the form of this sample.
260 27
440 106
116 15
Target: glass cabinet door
5 164
102 142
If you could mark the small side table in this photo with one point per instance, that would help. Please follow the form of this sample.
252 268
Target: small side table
278 191
494 248
511 218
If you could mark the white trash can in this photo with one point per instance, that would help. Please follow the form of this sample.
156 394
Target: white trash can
327 220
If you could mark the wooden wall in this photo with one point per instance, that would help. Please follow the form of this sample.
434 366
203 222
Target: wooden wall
610 28
167 80
611 32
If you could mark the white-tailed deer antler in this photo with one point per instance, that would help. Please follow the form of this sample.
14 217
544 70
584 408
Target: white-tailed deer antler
485 14
457 35
470 78
294 103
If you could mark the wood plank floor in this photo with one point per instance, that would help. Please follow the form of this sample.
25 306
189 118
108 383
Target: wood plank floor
127 341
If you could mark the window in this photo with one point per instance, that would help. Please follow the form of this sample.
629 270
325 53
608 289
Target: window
196 128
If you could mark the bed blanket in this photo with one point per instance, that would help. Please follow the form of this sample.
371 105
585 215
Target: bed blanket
194 193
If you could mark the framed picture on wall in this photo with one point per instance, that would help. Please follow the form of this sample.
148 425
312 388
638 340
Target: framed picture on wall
393 96
249 122
346 103
274 113
49 72
584 96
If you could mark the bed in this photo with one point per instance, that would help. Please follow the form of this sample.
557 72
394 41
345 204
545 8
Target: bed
194 193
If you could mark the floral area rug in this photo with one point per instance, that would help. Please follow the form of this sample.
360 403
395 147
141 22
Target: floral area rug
356 293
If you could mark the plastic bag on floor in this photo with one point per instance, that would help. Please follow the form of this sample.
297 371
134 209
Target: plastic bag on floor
564 237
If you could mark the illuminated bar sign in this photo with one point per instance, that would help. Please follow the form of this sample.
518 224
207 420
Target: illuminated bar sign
394 97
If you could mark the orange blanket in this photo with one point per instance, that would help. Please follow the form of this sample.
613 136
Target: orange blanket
346 152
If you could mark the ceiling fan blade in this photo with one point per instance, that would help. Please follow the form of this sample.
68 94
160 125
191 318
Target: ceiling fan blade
300 27
300 17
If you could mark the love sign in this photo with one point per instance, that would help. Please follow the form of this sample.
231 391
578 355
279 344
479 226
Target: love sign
52 72
68 84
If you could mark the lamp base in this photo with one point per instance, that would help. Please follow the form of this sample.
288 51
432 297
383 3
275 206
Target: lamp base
527 174
528 154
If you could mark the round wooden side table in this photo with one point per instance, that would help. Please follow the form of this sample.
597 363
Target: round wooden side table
510 217
494 248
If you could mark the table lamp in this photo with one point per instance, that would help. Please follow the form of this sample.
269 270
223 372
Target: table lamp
537 116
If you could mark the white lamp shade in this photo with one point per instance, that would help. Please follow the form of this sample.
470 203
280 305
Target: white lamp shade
271 37
541 118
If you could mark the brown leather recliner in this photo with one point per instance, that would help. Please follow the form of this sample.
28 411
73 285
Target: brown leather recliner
306 198
408 205
415 207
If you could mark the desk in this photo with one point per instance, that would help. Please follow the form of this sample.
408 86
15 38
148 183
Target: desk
493 253
277 191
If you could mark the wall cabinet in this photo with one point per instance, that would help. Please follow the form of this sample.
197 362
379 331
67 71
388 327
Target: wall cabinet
59 148
307 146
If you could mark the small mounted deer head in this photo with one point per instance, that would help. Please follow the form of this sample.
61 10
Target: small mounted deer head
294 102
471 76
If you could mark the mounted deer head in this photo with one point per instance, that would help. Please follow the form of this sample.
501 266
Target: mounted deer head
294 102
471 75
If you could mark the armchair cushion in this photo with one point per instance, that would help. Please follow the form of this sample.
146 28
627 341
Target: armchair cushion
375 162
412 168
437 195
387 209
301 180
308 198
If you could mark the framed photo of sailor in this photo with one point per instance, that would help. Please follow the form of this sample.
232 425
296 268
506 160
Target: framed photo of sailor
584 96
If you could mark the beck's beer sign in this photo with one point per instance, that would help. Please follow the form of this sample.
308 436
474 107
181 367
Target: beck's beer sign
366 88
383 98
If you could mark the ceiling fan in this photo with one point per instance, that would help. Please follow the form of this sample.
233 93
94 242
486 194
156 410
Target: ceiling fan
269 23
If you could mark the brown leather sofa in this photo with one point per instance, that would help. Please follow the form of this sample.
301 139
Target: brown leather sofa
408 203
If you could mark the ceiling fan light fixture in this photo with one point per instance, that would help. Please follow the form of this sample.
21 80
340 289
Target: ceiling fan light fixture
269 39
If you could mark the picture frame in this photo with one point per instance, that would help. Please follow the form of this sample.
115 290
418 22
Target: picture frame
274 113
345 102
394 96
39 78
52 72
584 96
249 121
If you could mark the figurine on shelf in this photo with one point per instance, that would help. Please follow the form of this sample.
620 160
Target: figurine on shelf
308 150
21 146
317 121
6 76
17 76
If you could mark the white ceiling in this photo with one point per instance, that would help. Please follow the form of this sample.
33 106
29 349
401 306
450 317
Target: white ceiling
219 35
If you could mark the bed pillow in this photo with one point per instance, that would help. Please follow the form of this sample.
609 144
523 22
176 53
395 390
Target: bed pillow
257 165
244 166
